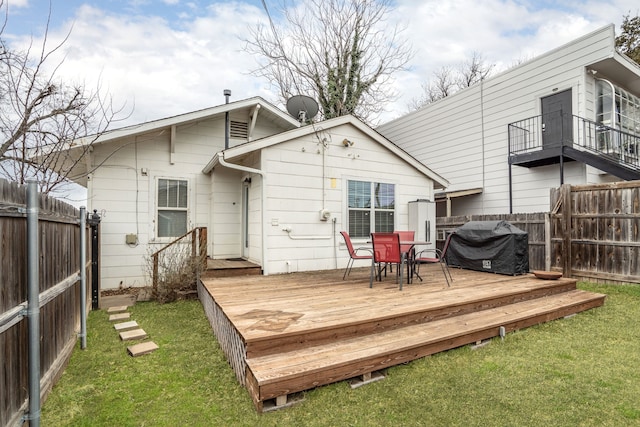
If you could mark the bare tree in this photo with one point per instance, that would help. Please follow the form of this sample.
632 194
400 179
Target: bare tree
340 52
40 115
448 80
443 84
473 71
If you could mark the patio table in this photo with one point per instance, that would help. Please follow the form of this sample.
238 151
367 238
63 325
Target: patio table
410 257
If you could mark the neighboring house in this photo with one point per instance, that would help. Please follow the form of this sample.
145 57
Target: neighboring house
278 196
570 116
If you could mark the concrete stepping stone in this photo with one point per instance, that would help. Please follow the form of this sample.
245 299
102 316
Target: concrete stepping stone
142 348
119 316
124 326
117 309
135 334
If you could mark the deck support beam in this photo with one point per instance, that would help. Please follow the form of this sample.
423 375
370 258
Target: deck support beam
369 377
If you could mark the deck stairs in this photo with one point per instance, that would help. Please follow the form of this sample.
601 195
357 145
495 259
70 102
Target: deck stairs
279 367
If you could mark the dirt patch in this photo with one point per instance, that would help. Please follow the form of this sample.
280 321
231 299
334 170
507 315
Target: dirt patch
140 294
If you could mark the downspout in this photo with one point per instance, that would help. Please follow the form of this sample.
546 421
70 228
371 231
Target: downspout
227 94
263 201
33 305
482 137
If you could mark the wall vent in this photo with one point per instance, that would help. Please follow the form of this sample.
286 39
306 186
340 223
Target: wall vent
238 130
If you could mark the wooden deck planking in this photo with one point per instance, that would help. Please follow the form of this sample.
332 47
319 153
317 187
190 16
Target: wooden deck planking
354 303
302 330
306 368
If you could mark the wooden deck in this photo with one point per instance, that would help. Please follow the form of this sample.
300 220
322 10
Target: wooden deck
284 334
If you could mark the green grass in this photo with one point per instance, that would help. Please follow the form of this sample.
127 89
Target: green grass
581 371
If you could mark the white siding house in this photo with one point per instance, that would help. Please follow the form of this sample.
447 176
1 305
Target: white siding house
127 169
466 136
261 198
298 185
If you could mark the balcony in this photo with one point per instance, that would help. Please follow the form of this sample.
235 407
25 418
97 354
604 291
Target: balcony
540 141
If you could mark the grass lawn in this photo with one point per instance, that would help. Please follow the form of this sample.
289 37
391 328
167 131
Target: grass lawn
581 371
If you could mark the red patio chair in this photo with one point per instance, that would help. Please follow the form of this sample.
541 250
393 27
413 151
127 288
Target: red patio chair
407 250
386 250
353 253
428 256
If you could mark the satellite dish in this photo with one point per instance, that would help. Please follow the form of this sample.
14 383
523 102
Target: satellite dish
302 107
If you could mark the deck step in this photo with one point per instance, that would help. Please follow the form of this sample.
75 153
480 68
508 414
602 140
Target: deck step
276 375
421 308
232 272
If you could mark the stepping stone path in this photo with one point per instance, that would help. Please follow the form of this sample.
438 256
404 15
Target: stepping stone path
130 331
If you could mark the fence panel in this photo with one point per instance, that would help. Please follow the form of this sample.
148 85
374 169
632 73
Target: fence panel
596 231
59 250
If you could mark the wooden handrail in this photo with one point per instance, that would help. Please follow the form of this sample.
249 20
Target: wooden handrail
201 244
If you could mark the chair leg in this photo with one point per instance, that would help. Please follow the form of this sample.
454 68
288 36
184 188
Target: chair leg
373 267
348 269
446 266
400 269
442 266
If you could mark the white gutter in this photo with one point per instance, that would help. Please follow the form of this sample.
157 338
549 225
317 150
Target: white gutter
263 201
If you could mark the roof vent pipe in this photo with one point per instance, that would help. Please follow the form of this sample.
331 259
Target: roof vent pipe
227 94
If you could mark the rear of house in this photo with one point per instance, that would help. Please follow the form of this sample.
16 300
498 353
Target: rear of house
299 189
276 193
146 181
571 116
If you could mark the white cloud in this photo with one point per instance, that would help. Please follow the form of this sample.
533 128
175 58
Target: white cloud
172 67
18 3
502 31
163 70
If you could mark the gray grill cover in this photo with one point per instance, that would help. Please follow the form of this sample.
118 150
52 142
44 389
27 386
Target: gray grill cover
494 246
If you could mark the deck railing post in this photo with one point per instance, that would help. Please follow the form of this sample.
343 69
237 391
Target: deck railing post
203 246
155 271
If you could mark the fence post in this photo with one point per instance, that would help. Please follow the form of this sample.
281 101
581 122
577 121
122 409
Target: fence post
33 307
565 194
94 225
547 241
83 277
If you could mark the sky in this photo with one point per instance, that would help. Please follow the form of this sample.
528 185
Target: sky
160 58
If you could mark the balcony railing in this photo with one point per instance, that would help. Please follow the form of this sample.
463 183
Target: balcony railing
530 136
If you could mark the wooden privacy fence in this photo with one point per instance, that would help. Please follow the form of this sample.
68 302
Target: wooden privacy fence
59 301
592 232
595 232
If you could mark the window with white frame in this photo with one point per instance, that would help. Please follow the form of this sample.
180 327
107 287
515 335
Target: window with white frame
172 207
371 208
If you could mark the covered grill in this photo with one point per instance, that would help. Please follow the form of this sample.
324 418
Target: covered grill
493 246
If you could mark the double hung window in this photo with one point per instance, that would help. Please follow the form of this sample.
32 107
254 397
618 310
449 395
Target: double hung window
371 208
172 207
